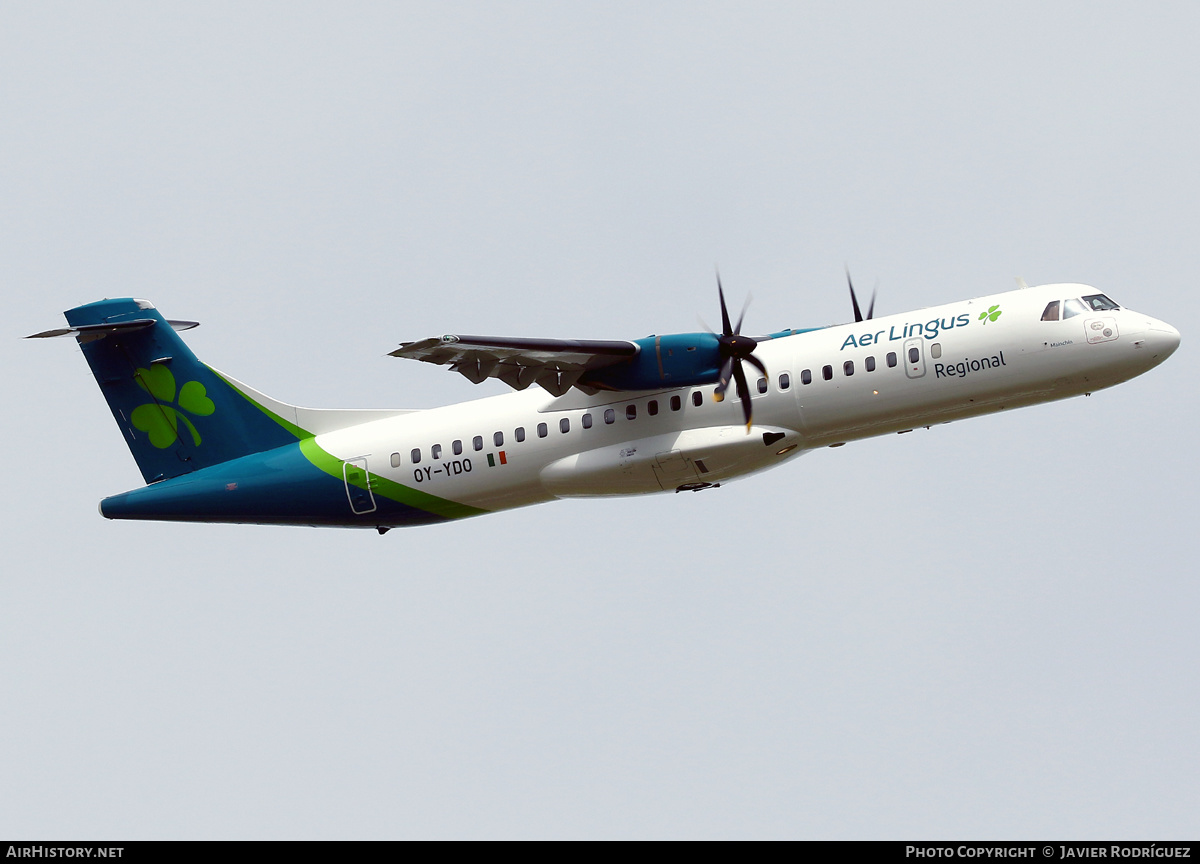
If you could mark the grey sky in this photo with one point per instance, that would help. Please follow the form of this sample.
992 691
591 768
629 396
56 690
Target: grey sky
984 630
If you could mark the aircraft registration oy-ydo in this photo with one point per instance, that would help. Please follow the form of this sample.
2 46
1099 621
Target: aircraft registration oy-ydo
588 418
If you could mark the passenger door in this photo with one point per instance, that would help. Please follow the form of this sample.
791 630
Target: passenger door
358 486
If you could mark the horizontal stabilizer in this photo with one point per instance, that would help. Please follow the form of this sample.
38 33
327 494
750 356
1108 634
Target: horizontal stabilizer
92 332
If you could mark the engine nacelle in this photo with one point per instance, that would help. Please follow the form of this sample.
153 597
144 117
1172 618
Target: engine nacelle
675 360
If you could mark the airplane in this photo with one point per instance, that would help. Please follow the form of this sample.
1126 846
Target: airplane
587 418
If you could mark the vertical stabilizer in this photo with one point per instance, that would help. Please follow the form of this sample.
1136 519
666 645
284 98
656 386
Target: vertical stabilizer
176 414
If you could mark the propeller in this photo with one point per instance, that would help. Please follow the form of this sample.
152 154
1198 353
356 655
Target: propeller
858 316
735 348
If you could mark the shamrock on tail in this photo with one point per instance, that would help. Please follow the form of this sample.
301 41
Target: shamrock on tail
159 418
990 315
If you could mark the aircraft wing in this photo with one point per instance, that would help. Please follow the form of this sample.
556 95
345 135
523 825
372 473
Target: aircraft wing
554 364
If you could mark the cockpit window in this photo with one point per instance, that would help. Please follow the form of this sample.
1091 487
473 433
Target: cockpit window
1099 303
1071 308
1051 313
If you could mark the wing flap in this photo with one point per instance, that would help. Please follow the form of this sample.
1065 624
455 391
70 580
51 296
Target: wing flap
554 364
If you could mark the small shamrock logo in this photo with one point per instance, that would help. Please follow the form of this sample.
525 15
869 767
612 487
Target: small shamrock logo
159 418
990 315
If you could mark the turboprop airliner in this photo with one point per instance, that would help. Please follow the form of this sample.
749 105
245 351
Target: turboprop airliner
587 418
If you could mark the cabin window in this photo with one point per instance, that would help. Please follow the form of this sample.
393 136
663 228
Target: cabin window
827 373
697 398
762 385
848 368
543 431
436 451
914 355
652 407
1071 308
1099 303
1051 311
457 446
871 363
519 434
477 442
587 421
610 416
676 403
564 425
395 460
630 412
415 455
891 359
498 439
785 380
935 350
806 376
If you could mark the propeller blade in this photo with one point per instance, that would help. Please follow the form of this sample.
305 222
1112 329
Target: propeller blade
737 331
726 329
871 308
734 348
757 364
854 298
723 378
740 377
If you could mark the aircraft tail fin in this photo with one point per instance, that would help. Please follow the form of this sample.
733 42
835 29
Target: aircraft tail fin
177 414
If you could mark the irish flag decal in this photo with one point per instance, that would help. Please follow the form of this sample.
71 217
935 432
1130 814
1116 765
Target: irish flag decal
492 459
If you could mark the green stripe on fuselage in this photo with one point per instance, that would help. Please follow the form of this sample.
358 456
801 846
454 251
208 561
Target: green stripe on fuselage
389 489
332 466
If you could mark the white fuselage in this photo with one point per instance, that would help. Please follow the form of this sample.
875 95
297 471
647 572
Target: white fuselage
950 362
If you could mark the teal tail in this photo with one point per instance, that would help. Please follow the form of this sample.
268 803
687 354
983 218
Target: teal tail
177 415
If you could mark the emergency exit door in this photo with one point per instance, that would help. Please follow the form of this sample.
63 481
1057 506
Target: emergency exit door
914 357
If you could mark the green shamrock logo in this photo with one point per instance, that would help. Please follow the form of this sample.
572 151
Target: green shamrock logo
991 315
159 418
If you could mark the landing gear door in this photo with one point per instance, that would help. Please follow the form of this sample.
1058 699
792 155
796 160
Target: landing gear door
358 486
673 469
914 357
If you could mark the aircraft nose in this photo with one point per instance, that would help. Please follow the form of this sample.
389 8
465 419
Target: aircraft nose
1162 339
1166 334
